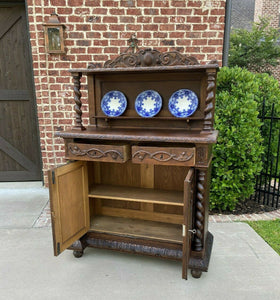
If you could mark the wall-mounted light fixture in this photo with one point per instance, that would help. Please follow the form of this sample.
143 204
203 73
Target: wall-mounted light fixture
54 35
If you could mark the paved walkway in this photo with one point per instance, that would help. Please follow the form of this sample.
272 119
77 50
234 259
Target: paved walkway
243 266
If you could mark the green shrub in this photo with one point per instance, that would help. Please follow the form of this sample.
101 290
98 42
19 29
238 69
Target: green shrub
237 154
268 89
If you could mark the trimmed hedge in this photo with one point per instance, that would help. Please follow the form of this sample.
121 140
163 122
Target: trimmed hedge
237 154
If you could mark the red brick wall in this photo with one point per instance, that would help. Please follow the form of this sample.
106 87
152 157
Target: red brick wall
269 9
98 30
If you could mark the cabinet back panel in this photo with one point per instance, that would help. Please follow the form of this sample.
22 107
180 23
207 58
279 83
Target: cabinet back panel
126 174
168 209
164 83
93 173
170 177
137 175
136 210
142 215
121 204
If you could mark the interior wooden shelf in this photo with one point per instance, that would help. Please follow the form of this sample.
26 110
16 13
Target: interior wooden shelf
137 228
150 118
136 194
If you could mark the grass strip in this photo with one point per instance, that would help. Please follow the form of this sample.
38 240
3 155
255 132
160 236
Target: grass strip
269 231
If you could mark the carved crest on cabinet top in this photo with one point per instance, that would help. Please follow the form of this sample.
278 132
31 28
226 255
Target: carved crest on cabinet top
149 58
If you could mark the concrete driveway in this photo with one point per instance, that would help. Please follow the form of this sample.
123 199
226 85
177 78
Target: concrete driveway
242 265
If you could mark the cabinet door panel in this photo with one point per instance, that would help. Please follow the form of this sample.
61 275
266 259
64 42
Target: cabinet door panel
69 204
189 184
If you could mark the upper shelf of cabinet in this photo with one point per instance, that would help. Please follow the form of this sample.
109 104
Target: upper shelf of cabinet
149 89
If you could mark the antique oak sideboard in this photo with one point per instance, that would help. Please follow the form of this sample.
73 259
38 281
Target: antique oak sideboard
139 184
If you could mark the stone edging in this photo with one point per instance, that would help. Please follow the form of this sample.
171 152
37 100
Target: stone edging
220 218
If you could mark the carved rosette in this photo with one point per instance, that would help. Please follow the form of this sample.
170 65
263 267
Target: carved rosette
199 212
78 103
149 58
95 153
208 112
162 156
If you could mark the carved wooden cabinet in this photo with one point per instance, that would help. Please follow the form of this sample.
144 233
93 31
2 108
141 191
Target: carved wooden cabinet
138 184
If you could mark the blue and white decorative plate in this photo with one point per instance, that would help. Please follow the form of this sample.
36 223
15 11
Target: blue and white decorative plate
148 103
113 104
183 103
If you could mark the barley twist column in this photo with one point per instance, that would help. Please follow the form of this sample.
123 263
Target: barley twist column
199 212
208 112
78 102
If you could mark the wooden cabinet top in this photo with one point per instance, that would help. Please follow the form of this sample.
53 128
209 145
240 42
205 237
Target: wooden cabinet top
155 69
149 60
140 135
134 73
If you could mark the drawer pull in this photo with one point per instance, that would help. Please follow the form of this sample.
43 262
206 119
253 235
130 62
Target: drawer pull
162 156
95 153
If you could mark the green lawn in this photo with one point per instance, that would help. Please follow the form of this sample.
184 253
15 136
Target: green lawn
269 231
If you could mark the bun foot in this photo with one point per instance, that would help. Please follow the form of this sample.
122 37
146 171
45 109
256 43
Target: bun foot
77 253
196 273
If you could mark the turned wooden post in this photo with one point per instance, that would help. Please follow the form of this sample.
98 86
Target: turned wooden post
210 101
200 209
78 102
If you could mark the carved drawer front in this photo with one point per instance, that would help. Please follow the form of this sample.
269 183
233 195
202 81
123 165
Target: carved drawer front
107 153
163 156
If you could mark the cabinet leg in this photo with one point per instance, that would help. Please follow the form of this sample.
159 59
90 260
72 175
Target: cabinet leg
78 253
78 247
196 273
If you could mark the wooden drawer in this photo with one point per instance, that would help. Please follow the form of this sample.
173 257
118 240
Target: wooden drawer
91 152
172 156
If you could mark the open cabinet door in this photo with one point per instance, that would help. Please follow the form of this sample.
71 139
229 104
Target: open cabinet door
69 204
187 226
